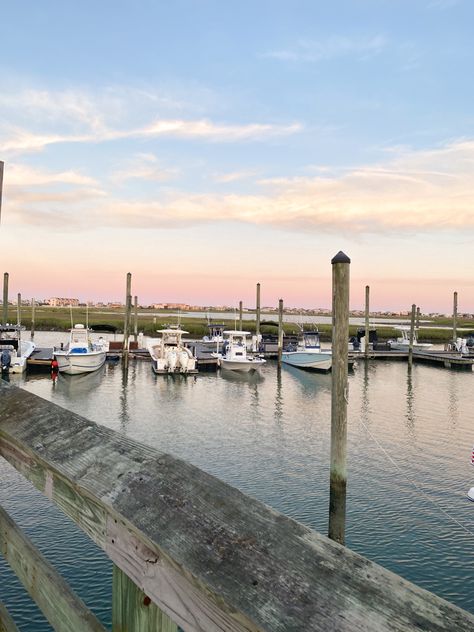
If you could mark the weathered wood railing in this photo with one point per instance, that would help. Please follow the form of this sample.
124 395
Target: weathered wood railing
188 549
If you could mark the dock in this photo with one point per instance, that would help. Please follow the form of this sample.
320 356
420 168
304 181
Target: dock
40 358
446 359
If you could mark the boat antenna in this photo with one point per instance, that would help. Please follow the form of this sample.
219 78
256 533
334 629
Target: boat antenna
87 315
235 318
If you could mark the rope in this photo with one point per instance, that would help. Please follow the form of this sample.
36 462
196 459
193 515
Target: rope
432 500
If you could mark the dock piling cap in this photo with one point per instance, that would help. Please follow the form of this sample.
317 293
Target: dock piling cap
341 257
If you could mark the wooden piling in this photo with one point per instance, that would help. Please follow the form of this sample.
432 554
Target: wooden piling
240 315
126 326
33 306
367 312
257 325
340 335
280 330
5 298
418 316
412 336
135 318
18 319
455 318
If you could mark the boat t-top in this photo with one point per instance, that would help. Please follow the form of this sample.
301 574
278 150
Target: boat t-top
307 353
234 353
169 354
14 351
402 343
81 354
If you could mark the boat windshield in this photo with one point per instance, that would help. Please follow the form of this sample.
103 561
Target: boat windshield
311 341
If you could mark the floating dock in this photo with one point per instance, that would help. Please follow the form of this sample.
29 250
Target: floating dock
447 359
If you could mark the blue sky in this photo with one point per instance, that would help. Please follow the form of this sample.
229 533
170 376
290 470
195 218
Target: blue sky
293 129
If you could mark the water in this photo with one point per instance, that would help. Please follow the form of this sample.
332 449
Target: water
409 443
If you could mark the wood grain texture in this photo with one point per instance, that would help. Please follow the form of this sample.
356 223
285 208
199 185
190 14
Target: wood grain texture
59 604
210 557
133 610
6 622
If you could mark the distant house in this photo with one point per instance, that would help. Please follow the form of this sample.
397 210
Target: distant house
63 302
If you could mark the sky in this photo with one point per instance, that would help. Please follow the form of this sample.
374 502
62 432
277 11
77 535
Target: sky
205 146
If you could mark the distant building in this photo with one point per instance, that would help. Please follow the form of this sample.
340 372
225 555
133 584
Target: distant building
63 302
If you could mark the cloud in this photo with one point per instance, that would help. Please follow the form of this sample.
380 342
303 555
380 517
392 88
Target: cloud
233 176
410 192
144 166
330 48
77 117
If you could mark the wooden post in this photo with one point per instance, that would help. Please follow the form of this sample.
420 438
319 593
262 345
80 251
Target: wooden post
418 315
5 298
240 315
133 610
455 318
33 305
126 326
18 320
412 335
367 333
340 335
135 319
280 330
257 326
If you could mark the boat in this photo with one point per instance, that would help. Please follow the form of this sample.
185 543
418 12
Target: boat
234 353
402 343
307 353
169 354
216 333
81 354
14 351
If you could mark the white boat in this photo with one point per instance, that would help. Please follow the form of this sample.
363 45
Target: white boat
81 354
216 333
402 343
307 353
14 351
234 353
169 355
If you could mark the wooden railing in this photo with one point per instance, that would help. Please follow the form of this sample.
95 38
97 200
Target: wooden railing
188 549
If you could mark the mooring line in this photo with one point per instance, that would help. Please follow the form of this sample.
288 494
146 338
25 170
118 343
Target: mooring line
432 500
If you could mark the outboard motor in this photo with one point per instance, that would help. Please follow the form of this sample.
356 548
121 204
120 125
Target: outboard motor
5 361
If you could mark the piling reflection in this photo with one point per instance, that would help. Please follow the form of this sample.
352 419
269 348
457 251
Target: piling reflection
410 399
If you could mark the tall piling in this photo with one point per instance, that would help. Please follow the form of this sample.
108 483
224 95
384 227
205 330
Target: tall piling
240 315
126 326
257 325
412 336
18 319
5 299
135 318
33 307
367 319
455 318
418 316
339 394
280 330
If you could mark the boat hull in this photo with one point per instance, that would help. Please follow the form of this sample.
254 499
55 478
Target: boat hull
405 346
242 365
76 363
321 361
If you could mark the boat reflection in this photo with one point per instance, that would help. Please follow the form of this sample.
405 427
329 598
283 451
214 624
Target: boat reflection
77 385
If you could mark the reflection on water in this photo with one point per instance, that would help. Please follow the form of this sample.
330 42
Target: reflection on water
269 435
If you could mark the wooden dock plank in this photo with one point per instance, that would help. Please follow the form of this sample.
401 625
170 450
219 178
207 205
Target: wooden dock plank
6 622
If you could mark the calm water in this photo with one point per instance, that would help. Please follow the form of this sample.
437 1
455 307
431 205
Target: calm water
409 443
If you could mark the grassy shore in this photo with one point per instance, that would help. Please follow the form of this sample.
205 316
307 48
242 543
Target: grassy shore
59 319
